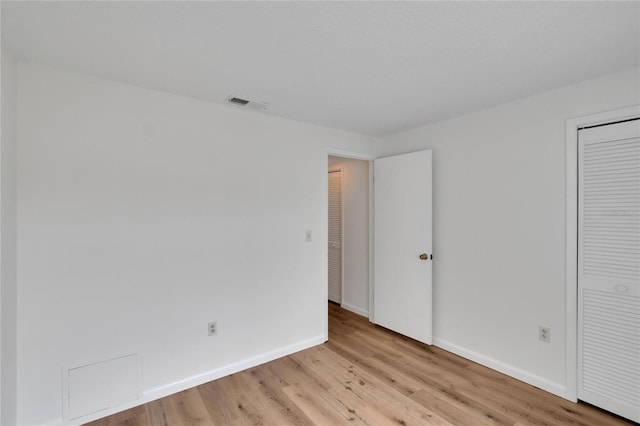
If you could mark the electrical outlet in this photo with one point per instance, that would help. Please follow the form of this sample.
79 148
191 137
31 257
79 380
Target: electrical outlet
544 334
213 328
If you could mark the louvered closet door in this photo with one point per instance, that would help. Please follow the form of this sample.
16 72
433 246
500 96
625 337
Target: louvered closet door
609 268
335 236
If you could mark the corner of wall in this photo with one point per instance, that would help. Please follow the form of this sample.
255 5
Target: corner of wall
8 280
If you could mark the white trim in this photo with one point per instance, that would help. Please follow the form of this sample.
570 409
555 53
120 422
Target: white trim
170 389
537 381
571 261
355 309
571 238
350 154
371 237
342 242
324 249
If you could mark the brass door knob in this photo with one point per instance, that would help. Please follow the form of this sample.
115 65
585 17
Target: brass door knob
424 256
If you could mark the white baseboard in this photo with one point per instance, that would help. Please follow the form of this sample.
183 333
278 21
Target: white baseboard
162 391
355 309
509 370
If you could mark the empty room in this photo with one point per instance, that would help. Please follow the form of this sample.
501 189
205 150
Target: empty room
320 213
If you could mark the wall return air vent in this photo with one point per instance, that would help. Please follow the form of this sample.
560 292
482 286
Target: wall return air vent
244 103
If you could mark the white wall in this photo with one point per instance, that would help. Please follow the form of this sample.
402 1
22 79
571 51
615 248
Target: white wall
355 246
499 212
142 216
8 289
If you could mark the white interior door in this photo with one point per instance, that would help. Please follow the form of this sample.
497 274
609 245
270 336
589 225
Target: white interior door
335 236
609 267
402 218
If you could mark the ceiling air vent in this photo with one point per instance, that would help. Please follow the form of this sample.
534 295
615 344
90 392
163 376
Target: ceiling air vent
237 101
244 103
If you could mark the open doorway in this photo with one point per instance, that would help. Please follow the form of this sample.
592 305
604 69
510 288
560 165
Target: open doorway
348 236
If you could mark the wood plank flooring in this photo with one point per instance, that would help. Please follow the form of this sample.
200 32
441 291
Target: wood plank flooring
364 375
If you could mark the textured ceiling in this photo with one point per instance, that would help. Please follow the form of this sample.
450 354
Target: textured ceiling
368 67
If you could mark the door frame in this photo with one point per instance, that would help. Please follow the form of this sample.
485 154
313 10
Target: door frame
325 233
571 236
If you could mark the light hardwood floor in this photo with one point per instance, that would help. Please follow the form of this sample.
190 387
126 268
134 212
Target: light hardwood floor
364 375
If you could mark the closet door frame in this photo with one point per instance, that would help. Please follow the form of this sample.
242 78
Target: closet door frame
571 240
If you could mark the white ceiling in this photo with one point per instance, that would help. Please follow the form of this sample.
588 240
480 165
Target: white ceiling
368 67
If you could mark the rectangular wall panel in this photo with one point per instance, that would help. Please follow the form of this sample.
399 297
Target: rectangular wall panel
97 386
